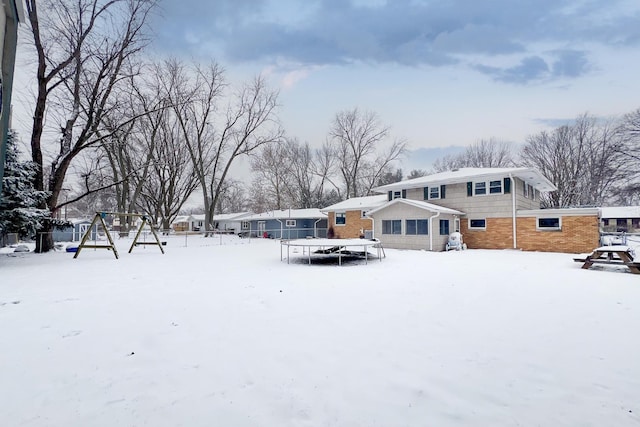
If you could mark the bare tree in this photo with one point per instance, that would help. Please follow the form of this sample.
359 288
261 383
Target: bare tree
582 160
491 153
271 168
171 180
357 139
417 173
216 135
83 50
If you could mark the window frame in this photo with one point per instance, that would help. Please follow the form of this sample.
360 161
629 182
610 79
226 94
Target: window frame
546 228
475 188
472 227
417 228
245 225
342 215
290 223
448 227
391 226
437 188
492 187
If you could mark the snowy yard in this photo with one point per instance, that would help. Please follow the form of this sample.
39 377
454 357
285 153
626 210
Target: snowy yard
229 335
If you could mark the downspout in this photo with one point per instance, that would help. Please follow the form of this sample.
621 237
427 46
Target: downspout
431 230
513 214
281 229
315 227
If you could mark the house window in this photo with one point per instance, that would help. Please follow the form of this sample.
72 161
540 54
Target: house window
532 192
434 193
605 222
444 227
525 190
480 188
549 224
495 187
341 218
477 224
417 226
397 194
635 222
245 225
363 214
392 226
621 224
290 223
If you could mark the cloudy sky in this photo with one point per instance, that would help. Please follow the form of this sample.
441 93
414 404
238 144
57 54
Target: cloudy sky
439 72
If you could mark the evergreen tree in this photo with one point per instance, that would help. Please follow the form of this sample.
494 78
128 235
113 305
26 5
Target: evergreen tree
18 212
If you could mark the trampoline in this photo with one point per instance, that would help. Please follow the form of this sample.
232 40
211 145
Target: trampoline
334 247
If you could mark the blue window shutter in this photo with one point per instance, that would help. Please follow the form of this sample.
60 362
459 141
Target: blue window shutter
507 185
390 195
426 193
404 194
442 191
469 189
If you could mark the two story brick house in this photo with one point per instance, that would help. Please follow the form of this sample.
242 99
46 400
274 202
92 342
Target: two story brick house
494 208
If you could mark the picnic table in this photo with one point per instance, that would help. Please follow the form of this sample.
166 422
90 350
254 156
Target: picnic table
611 255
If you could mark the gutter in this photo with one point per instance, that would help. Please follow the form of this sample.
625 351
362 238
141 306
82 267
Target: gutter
513 213
431 230
281 230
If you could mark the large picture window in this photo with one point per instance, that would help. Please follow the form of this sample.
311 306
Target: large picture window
393 226
417 227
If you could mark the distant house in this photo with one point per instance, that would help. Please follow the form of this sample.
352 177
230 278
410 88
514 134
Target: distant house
620 219
230 222
184 223
348 219
75 232
494 208
286 224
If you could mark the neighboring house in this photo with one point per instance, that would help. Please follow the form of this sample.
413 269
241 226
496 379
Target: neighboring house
75 232
348 218
497 208
183 223
231 222
286 224
12 14
620 219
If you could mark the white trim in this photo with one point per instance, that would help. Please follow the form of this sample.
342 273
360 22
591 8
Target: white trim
559 212
439 193
335 218
558 228
477 228
290 223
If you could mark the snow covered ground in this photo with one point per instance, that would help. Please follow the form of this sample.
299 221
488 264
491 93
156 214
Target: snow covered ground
229 335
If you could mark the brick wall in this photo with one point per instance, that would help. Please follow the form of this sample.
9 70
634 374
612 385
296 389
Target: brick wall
579 234
498 234
355 224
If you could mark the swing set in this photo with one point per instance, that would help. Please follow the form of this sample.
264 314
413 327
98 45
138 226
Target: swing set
99 217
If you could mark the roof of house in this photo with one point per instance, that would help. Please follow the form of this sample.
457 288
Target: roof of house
620 212
418 204
357 203
529 175
236 216
312 213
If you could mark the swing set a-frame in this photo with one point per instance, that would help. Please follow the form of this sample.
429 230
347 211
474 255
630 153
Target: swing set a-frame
99 218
